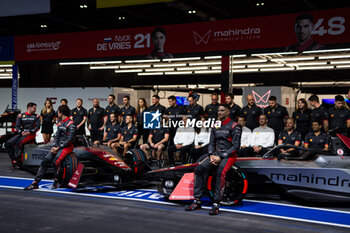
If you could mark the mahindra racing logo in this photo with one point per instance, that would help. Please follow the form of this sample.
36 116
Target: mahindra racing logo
199 39
261 101
43 46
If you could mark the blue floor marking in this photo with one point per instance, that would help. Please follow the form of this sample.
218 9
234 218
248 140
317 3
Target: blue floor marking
276 210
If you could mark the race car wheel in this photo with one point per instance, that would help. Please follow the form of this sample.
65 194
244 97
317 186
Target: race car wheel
236 186
68 167
137 161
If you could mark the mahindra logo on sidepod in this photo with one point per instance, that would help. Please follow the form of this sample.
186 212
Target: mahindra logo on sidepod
43 46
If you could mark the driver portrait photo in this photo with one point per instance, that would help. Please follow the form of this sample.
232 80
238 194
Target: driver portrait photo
158 37
303 27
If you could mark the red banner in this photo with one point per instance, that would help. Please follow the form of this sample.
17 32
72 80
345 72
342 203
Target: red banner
292 32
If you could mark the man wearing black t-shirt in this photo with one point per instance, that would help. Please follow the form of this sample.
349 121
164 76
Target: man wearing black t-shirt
173 113
156 106
289 137
235 109
113 131
127 110
193 110
339 116
251 112
211 110
319 113
112 108
316 139
96 122
79 117
128 136
276 114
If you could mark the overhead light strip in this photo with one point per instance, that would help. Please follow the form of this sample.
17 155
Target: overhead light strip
128 71
327 50
182 59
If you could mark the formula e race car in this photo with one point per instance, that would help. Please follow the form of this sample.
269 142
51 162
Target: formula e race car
315 176
7 124
99 165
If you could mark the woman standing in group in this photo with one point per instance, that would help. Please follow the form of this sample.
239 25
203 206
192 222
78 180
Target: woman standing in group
47 117
141 106
302 117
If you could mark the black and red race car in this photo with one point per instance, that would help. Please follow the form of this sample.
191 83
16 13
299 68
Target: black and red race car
7 123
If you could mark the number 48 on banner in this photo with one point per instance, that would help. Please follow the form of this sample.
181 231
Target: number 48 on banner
336 26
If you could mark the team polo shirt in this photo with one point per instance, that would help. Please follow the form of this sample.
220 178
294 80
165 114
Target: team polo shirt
319 114
287 138
112 109
316 142
252 116
276 117
234 112
159 107
194 111
212 111
130 111
128 134
78 115
158 134
338 117
302 119
173 112
96 117
112 130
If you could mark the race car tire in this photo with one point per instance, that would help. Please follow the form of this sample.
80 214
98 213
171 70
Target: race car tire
137 161
68 167
235 189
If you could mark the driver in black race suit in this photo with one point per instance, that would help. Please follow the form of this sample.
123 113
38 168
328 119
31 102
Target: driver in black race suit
222 154
27 124
62 146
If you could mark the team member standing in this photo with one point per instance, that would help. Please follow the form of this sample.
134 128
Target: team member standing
222 153
317 139
141 107
276 114
96 122
156 106
302 116
289 137
113 131
47 118
193 110
211 110
235 109
127 110
251 112
27 124
79 117
62 146
112 108
62 102
173 113
339 115
128 136
319 112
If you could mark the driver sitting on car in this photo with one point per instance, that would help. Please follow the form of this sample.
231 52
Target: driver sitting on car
62 146
222 154
27 124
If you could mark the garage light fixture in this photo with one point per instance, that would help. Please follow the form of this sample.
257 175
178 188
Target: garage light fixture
343 66
249 61
265 65
328 50
103 67
178 72
142 61
170 65
245 70
213 57
128 71
159 69
204 63
193 68
335 56
341 62
277 69
182 59
5 65
134 66
292 59
208 72
150 74
315 68
238 55
276 54
306 63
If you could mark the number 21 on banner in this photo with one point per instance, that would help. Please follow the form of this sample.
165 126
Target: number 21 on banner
141 40
336 26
